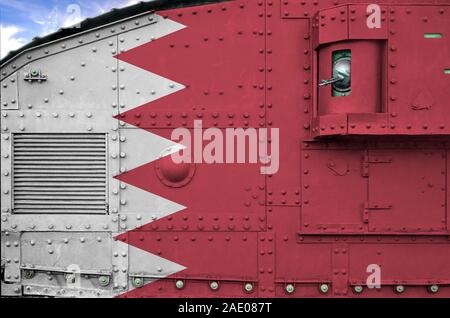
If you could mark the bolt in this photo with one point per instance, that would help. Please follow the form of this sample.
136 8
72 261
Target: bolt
324 288
179 284
104 281
358 289
28 274
290 288
433 289
248 287
138 282
399 289
214 285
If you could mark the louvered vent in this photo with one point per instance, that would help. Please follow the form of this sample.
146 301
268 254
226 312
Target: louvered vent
59 173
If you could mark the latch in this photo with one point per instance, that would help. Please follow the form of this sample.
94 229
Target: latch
377 206
368 159
35 75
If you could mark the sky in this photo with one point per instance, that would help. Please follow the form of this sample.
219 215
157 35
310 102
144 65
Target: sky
22 20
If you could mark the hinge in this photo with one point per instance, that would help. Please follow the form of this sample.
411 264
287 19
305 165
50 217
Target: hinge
368 159
379 159
365 166
371 206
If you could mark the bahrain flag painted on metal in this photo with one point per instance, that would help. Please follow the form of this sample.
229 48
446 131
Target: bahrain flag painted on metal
224 221
259 148
215 206
234 231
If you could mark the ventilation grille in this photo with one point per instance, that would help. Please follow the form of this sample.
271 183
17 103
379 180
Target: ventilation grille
59 173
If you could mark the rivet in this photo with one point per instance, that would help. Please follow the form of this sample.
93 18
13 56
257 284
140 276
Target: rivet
358 289
248 287
179 284
433 289
290 288
324 288
214 285
399 289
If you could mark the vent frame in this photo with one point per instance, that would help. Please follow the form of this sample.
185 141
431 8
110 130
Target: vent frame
75 202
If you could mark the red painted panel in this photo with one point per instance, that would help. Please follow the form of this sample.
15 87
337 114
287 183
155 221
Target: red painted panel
337 176
289 74
304 8
368 124
330 25
329 125
290 255
229 258
448 192
222 66
407 191
291 266
308 8
358 28
418 88
220 197
409 264
205 255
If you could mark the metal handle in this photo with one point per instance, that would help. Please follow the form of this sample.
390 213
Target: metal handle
332 80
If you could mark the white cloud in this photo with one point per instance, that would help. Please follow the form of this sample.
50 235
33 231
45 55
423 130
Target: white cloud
10 39
130 2
74 14
49 20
